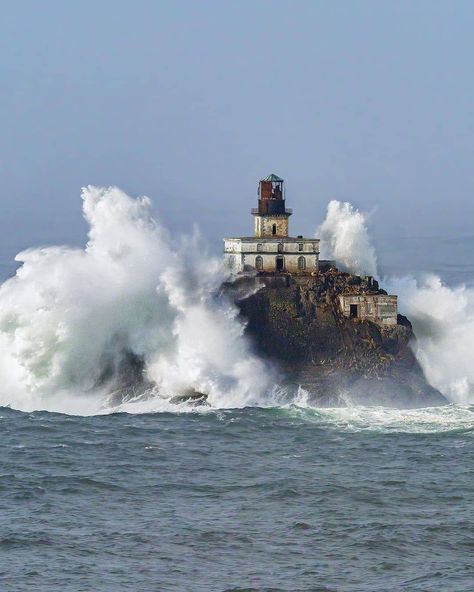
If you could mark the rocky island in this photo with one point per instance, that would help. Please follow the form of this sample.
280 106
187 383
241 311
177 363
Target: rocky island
298 324
336 334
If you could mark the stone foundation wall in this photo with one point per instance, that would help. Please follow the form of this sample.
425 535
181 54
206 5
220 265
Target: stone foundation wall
264 226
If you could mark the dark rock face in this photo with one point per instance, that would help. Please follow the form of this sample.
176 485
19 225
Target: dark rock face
298 324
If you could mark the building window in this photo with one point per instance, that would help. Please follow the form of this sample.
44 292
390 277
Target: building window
274 229
280 247
301 263
300 247
259 247
259 263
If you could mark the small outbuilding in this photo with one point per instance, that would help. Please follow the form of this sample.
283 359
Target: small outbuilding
378 308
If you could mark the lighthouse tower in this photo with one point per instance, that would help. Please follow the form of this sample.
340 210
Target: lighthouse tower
271 250
271 216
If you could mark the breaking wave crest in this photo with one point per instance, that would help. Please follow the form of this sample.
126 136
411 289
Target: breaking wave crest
345 239
443 321
70 317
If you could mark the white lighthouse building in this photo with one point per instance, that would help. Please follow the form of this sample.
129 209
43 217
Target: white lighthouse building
271 249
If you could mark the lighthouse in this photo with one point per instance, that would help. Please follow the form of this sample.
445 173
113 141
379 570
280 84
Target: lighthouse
271 215
271 249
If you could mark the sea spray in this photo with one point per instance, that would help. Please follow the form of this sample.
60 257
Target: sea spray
70 315
344 238
443 322
442 316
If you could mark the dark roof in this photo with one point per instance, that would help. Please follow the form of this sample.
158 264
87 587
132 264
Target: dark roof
272 177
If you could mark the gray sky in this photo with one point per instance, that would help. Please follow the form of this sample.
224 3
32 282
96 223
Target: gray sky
191 102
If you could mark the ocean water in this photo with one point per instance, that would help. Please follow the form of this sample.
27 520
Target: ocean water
256 492
254 499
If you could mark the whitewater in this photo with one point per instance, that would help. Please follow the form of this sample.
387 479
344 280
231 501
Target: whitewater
70 314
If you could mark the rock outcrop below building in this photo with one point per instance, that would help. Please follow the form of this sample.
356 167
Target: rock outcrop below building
299 324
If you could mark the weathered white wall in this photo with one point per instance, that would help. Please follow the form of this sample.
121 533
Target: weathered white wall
265 245
290 262
235 262
241 253
232 245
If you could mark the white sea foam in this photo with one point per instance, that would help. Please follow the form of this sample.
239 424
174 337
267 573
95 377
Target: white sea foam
447 418
345 239
70 313
443 321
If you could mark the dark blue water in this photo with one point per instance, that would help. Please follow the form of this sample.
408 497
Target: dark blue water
257 499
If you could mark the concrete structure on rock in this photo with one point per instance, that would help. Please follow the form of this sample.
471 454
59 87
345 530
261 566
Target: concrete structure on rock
378 308
271 249
275 257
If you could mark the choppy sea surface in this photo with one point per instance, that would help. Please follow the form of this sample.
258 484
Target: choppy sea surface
257 499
